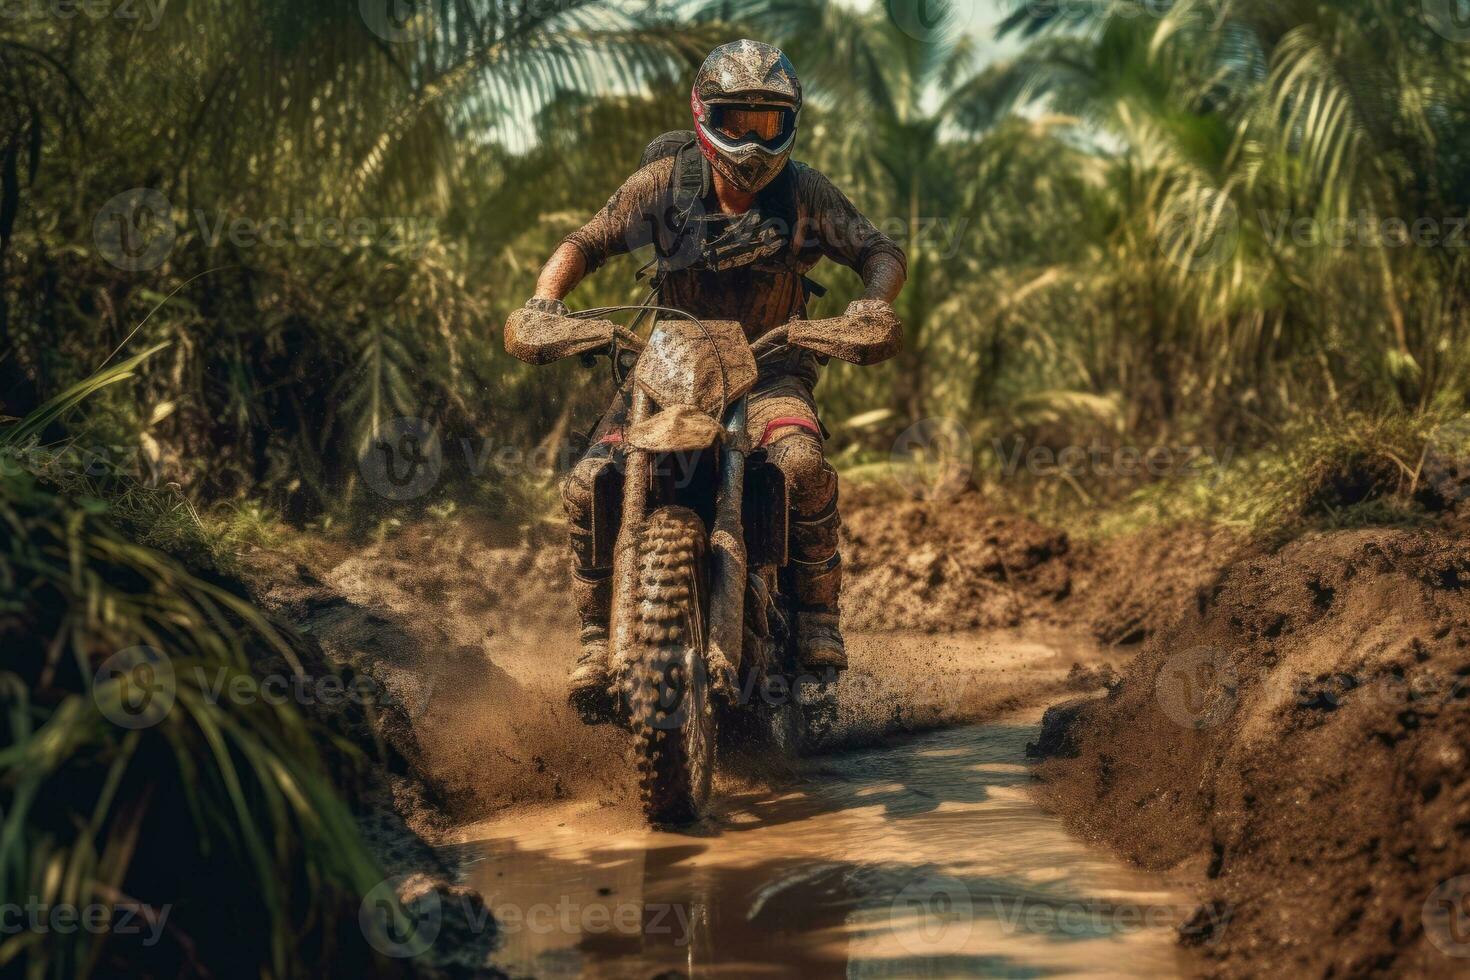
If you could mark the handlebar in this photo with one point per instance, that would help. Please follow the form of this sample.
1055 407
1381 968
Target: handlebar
868 334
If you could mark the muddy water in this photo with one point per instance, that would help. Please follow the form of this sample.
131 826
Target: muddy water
922 858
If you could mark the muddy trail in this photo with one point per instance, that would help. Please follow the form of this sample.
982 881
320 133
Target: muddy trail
1253 756
954 615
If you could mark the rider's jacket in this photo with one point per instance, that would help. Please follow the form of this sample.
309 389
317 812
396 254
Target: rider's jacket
751 268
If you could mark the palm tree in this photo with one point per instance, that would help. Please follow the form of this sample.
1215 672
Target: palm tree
289 358
897 119
1229 129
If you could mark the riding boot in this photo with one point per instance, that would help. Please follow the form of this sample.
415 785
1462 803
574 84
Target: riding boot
816 585
587 686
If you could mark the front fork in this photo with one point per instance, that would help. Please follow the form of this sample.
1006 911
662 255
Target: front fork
638 481
727 548
728 560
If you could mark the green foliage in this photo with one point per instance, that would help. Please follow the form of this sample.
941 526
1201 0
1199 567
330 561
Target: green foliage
1118 234
316 161
131 779
1354 471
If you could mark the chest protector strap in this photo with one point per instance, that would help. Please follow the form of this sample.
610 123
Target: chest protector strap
691 238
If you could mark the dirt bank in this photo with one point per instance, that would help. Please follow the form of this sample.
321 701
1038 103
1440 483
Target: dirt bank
1298 737
957 564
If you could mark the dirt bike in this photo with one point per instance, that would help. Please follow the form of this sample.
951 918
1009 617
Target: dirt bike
694 523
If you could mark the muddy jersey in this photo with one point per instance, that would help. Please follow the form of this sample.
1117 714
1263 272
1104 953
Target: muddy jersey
761 295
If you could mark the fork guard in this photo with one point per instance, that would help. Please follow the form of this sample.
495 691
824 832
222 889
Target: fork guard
728 560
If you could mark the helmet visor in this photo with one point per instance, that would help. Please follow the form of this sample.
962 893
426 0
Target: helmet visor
761 124
769 126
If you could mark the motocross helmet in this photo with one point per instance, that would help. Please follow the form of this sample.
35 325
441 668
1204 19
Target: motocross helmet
747 102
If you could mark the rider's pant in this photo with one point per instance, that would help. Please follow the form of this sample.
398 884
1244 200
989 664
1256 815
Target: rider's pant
782 419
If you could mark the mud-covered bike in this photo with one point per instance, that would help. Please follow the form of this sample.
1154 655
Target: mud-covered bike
694 522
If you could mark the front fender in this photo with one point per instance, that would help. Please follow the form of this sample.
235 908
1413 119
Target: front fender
676 429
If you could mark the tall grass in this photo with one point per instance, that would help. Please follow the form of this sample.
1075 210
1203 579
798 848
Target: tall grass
132 781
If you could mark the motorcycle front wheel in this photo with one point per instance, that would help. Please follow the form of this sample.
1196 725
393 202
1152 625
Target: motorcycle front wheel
667 684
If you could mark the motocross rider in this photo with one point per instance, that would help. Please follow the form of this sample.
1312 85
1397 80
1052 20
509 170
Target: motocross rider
748 223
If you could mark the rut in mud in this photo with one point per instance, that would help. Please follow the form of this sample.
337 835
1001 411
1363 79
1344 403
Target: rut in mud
465 629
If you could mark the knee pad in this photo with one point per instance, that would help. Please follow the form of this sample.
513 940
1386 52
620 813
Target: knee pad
576 490
811 484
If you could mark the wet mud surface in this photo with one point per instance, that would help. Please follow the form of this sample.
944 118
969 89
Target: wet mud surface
922 857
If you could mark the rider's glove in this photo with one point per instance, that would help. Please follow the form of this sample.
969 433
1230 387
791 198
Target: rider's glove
541 332
541 305
870 307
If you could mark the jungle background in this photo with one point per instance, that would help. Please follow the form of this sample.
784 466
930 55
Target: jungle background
238 239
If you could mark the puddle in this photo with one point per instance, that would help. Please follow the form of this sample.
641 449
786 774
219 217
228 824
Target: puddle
924 858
